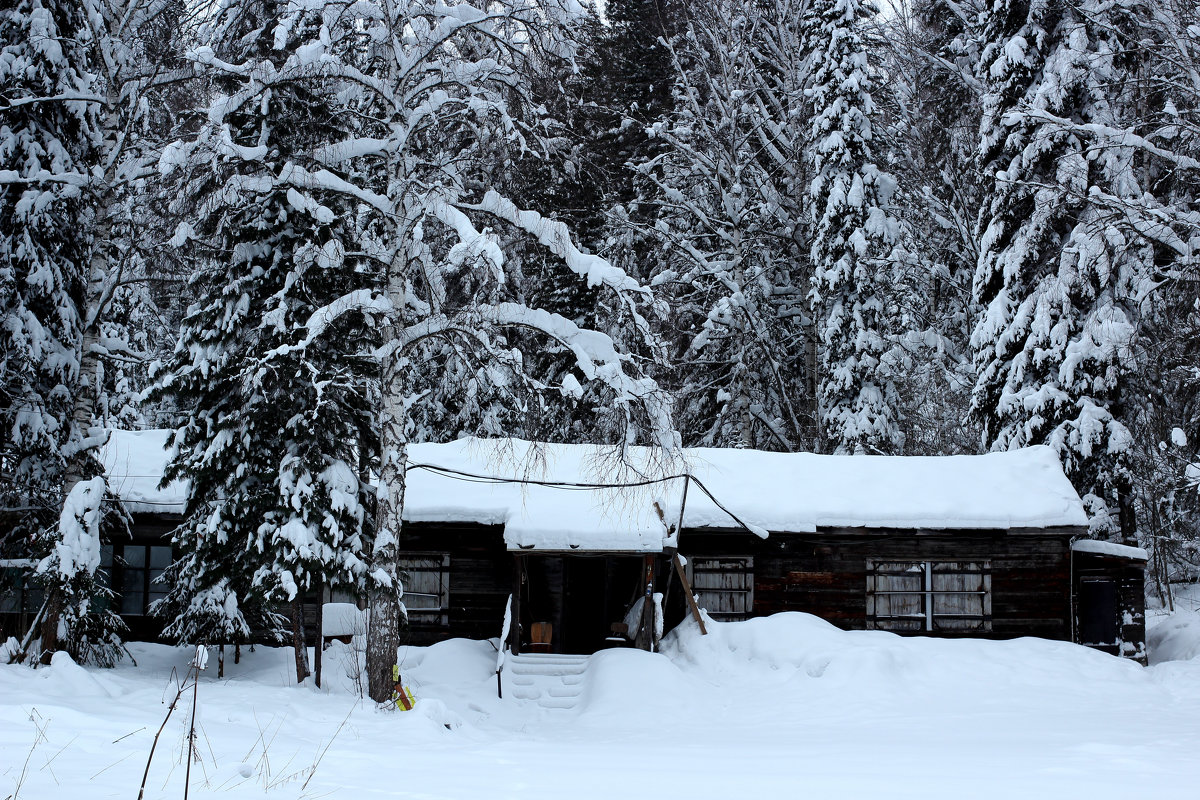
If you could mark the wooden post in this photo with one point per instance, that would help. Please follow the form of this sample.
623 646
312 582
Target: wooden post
320 630
687 592
648 615
514 632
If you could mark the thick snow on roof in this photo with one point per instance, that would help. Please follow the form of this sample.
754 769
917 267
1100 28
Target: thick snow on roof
783 492
1109 549
542 517
786 492
134 463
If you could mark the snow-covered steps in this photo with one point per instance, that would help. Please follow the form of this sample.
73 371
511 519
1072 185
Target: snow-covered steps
552 681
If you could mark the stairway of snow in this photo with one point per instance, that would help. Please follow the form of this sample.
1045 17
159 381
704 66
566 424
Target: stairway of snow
552 681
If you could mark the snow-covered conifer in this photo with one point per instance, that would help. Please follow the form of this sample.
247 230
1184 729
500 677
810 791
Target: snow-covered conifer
1059 266
852 235
275 376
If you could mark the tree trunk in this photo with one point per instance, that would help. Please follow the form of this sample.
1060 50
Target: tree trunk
811 368
87 388
49 624
320 644
298 643
383 633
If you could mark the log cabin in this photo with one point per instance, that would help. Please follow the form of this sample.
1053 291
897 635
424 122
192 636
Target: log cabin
589 548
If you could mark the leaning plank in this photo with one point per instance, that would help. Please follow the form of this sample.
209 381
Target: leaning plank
687 592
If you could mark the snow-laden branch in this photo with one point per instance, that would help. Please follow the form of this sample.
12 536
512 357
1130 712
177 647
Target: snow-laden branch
361 300
556 236
78 545
1117 137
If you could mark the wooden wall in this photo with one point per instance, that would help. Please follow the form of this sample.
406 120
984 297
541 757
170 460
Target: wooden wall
826 573
1129 575
480 578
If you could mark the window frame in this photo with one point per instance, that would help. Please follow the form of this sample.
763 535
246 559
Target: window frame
430 617
115 566
928 595
746 568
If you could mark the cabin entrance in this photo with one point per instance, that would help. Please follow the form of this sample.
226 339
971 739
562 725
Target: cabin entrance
573 601
1098 612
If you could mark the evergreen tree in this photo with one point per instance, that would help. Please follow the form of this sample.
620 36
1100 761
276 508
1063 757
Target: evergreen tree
278 383
852 235
1058 270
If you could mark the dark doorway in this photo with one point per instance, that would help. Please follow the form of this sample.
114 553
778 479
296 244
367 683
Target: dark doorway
1097 611
581 597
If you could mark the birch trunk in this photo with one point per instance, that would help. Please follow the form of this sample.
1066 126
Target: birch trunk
383 634
87 388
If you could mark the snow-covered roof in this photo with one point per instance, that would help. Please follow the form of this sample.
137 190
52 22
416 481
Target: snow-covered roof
134 463
780 492
1109 549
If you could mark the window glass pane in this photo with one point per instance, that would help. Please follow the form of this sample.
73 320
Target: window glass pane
900 593
10 590
134 555
725 585
35 595
160 557
158 589
133 590
104 574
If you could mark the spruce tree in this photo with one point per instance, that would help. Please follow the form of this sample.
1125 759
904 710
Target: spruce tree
851 237
278 384
1057 267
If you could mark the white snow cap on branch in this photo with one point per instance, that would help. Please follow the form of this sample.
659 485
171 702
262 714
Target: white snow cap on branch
78 547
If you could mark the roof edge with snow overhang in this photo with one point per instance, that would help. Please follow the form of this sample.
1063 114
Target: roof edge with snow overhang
584 498
1101 548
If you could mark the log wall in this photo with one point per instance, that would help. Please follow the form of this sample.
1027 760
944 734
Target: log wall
480 579
826 573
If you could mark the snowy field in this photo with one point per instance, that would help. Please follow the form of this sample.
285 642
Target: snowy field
786 706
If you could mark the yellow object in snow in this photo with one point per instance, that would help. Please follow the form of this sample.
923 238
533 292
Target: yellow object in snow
402 696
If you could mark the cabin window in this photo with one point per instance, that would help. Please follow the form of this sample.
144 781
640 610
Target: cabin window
725 586
133 572
19 594
426 588
929 596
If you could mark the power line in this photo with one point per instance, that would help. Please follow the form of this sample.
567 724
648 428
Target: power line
473 477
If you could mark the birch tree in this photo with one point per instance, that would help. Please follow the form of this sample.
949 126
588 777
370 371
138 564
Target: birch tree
75 80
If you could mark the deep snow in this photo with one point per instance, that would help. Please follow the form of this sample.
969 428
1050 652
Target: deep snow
786 706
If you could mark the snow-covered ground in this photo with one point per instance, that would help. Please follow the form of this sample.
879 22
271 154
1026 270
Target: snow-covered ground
1175 637
786 706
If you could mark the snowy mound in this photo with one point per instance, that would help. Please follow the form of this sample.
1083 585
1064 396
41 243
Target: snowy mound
1176 638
